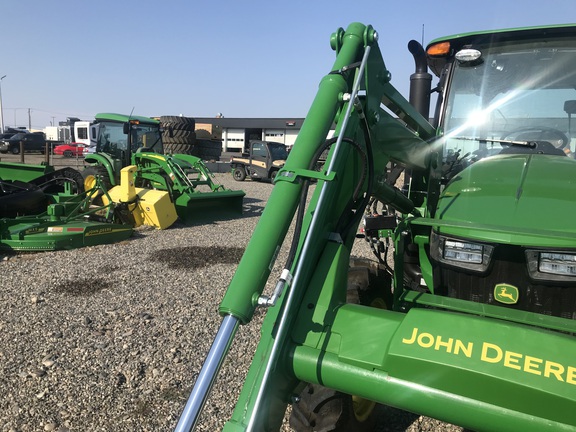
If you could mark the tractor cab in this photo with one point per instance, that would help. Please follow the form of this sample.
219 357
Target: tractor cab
506 141
506 93
121 136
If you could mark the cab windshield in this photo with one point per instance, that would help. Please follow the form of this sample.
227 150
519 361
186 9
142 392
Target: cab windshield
521 92
111 137
278 151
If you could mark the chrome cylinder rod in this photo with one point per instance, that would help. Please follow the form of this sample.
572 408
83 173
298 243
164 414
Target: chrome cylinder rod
208 374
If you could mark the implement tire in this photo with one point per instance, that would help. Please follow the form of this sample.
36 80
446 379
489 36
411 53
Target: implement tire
324 409
177 122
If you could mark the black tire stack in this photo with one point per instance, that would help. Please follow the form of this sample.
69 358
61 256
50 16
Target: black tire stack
179 136
209 150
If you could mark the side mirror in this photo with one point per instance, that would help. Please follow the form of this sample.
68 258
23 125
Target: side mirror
126 128
570 107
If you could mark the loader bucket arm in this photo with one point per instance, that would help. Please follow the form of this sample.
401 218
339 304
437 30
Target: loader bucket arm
456 361
192 185
332 217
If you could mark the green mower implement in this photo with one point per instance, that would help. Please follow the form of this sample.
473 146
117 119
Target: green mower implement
53 232
49 213
28 189
467 313
24 172
133 140
68 224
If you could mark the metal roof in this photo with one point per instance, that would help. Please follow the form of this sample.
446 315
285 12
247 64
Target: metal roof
252 123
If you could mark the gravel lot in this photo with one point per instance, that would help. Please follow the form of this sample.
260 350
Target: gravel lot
111 338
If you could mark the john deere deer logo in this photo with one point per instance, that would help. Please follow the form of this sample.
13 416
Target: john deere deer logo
507 294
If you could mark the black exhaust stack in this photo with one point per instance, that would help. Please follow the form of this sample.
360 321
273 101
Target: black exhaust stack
420 80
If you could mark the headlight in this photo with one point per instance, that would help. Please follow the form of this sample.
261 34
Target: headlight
461 253
551 265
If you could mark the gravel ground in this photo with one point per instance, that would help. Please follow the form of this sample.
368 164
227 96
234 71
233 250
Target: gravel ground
111 338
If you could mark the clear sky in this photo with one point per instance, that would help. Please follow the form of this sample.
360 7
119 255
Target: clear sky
261 58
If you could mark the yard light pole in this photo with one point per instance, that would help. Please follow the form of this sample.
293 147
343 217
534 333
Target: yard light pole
1 109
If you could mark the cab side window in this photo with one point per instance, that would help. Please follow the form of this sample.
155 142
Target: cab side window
258 150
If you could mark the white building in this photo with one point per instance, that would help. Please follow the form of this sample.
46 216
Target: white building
235 133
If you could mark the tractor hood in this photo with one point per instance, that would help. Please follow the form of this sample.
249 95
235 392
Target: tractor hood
504 198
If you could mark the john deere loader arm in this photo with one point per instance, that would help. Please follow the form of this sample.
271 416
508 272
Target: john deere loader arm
466 368
313 284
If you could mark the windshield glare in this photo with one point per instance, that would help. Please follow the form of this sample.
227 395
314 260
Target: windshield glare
514 89
111 137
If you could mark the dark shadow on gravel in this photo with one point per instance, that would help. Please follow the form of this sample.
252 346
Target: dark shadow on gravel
194 257
252 207
83 287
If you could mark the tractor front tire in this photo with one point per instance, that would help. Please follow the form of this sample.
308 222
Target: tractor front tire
323 409
90 173
239 174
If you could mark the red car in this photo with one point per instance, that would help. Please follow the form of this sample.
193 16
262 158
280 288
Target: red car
69 150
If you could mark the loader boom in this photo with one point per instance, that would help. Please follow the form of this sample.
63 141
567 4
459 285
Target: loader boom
487 366
338 97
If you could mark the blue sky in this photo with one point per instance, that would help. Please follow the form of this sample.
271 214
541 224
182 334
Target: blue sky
239 58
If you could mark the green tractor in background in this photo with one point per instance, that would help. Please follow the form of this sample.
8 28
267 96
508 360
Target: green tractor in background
135 140
467 313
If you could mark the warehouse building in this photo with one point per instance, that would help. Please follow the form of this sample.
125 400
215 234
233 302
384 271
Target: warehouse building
236 133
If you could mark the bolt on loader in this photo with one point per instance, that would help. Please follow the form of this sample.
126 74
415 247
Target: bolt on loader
135 140
467 312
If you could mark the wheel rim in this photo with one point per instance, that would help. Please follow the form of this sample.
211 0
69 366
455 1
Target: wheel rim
362 408
379 303
89 182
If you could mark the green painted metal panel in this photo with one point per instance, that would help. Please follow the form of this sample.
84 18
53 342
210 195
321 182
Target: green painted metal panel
487 366
123 118
501 199
23 172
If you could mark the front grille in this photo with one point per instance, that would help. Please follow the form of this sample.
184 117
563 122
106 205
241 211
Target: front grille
508 266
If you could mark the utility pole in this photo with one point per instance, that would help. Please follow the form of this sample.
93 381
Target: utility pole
1 109
29 121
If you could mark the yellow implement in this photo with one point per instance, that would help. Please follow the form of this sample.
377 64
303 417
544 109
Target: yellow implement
148 206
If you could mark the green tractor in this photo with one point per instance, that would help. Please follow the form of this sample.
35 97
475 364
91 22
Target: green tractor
135 140
467 313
